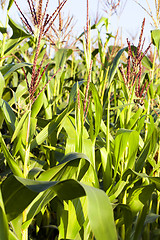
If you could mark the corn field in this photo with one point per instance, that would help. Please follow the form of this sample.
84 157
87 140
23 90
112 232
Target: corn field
79 128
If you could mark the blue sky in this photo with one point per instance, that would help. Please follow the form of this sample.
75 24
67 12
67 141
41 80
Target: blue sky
129 21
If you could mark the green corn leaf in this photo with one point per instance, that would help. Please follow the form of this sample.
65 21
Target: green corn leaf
133 144
116 190
12 236
37 105
20 91
2 84
36 205
16 197
98 109
68 166
10 4
16 228
69 126
151 217
32 129
127 218
107 167
3 225
18 35
10 160
61 56
19 125
120 145
68 161
147 63
73 92
124 88
140 222
88 147
9 115
100 214
3 30
156 181
126 138
155 35
4 230
114 65
131 172
4 69
134 118
142 157
77 213
138 196
149 145
47 131
16 67
26 190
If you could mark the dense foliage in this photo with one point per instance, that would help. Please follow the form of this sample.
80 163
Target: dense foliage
79 132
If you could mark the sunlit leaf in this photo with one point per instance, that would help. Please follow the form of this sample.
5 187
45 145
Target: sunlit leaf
26 190
19 125
47 131
10 4
16 67
155 35
9 115
2 84
139 196
114 65
10 160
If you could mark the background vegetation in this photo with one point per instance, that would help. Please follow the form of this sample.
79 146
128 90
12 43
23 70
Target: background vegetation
79 129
